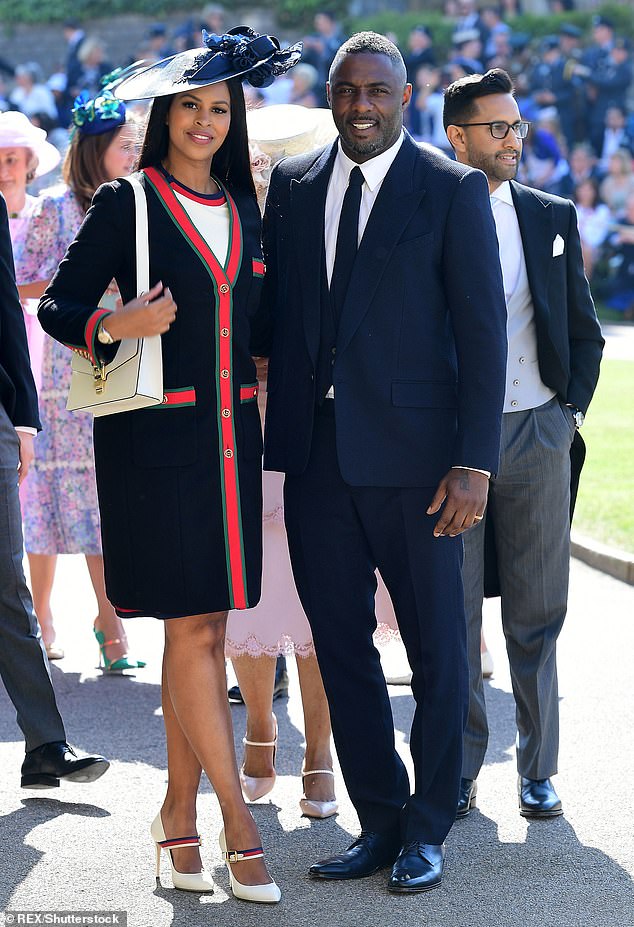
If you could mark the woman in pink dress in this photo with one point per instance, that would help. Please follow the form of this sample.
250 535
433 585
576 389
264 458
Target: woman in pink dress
24 156
278 624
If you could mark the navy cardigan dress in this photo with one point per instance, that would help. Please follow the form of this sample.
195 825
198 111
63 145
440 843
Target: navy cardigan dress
180 483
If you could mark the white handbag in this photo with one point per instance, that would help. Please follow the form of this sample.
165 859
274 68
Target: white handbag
134 377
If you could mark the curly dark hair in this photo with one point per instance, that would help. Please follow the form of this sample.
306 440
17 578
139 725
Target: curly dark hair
370 43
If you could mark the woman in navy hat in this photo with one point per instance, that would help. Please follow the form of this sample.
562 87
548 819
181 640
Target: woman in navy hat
180 483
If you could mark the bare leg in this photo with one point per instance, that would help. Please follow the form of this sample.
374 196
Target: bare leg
106 621
178 813
196 680
42 570
317 728
256 678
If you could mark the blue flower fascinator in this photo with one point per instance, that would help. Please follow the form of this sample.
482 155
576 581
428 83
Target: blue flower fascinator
96 115
241 52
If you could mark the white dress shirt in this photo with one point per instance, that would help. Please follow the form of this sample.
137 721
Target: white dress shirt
524 386
374 172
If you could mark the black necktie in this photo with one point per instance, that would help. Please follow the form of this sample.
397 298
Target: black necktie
347 242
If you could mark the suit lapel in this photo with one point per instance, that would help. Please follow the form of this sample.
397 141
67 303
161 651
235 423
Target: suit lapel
535 219
308 204
399 197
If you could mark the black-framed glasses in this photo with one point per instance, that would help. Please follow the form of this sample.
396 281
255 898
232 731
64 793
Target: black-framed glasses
500 130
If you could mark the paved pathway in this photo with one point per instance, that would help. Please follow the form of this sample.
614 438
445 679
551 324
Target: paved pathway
83 848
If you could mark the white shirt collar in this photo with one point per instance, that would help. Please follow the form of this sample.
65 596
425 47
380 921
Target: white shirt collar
375 169
503 193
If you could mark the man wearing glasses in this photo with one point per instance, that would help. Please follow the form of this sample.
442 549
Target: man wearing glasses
554 351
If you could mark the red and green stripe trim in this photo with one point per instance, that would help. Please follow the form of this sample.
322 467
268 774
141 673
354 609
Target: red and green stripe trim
258 268
223 279
249 392
177 398
90 332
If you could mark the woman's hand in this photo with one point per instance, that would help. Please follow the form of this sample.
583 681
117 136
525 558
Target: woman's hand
146 315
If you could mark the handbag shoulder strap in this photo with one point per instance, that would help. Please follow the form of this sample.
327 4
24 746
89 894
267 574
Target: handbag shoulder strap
142 235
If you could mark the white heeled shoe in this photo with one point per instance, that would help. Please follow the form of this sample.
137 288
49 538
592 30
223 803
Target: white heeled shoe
487 664
254 787
268 893
310 807
186 881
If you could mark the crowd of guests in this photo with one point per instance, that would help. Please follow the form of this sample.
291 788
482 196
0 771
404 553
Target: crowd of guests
345 512
574 87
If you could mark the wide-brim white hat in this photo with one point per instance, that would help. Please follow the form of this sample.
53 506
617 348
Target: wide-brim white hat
17 131
286 129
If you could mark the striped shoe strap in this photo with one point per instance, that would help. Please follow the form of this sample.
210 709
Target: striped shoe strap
177 842
236 856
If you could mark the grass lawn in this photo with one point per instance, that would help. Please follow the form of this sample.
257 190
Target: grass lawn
605 505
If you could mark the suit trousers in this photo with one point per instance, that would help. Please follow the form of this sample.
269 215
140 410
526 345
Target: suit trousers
529 503
338 534
23 663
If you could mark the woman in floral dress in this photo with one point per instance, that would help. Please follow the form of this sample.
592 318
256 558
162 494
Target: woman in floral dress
60 498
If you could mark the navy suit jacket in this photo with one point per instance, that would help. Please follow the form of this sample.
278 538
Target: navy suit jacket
17 389
421 346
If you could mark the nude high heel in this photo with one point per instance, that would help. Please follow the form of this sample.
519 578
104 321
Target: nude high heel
254 787
267 894
311 808
186 881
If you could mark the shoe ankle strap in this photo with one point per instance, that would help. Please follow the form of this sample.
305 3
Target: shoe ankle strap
177 842
315 772
236 856
259 743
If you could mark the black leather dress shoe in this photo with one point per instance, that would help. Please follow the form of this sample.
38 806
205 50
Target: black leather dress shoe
466 797
280 687
46 765
418 868
369 853
538 798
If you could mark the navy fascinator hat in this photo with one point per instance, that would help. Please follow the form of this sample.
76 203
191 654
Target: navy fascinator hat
96 115
241 52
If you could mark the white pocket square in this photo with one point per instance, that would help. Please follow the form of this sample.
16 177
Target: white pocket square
558 246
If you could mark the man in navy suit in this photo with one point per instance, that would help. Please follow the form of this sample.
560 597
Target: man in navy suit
23 663
554 351
384 403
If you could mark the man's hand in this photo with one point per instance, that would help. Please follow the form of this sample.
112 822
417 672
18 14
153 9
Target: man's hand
464 493
27 454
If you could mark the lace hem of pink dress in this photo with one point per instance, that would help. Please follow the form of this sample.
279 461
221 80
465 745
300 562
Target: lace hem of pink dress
285 646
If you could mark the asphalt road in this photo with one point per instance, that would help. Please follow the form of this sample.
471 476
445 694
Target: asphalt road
87 848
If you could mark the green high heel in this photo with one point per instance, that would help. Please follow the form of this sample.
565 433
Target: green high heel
114 666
